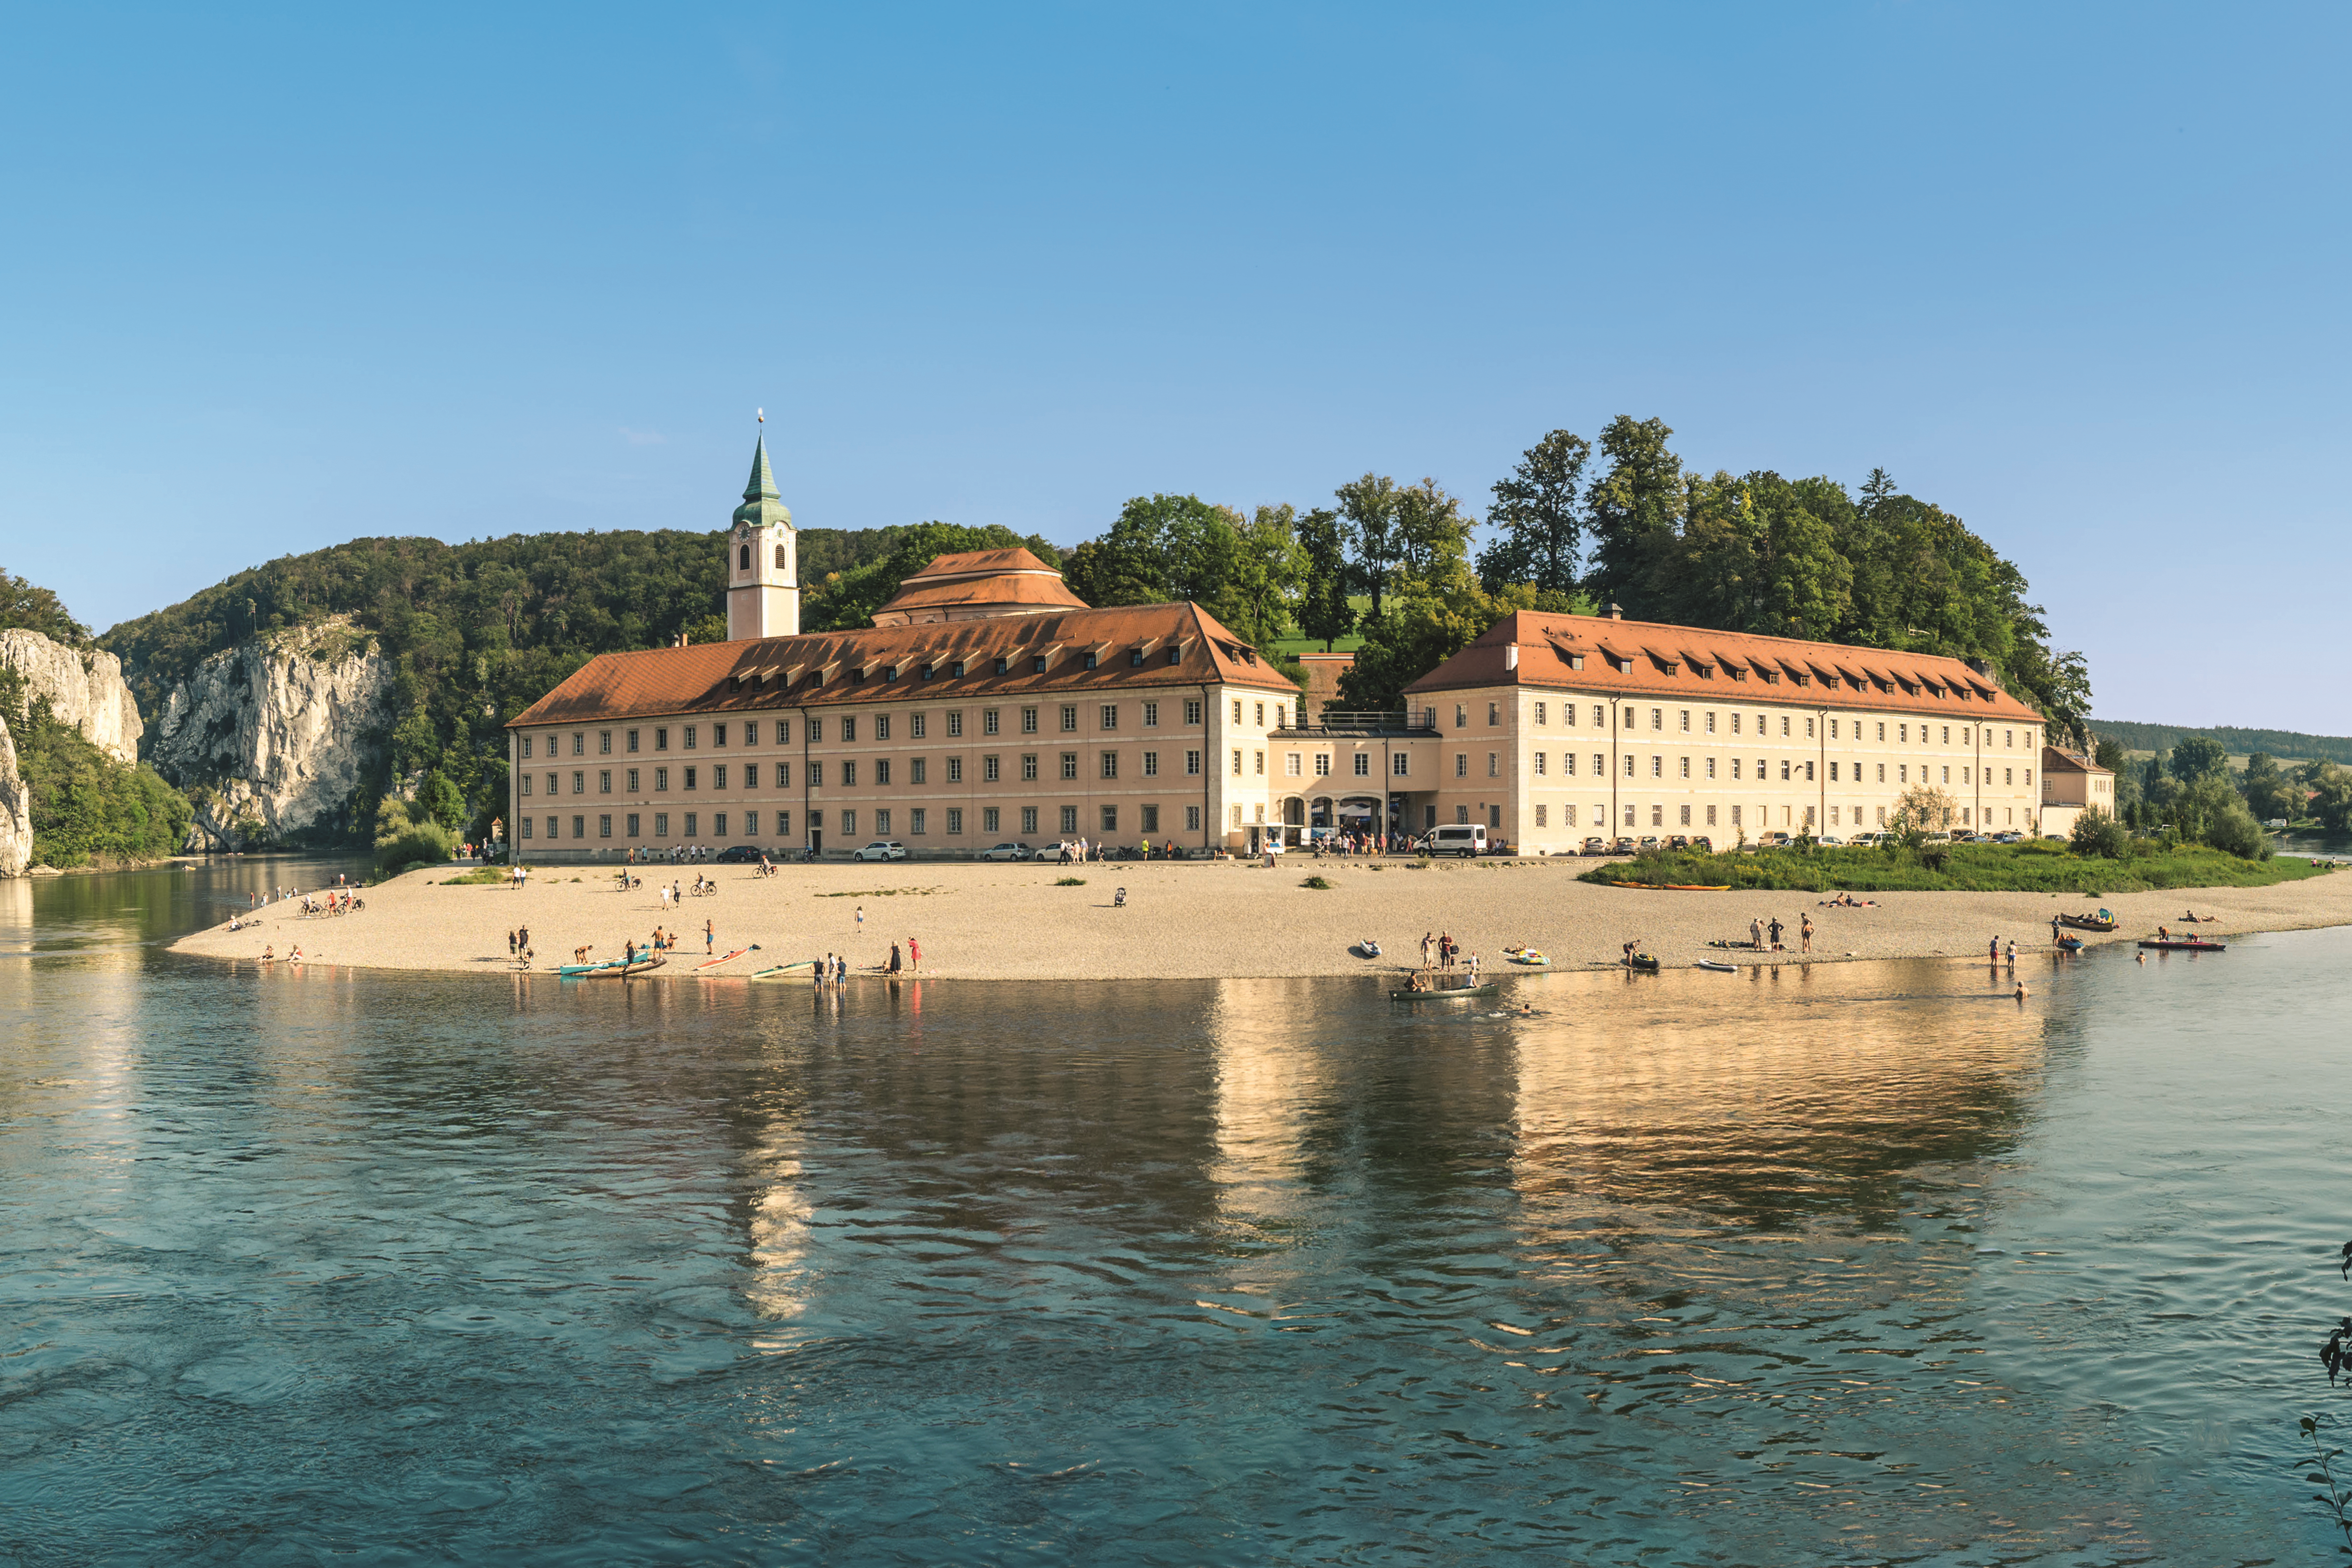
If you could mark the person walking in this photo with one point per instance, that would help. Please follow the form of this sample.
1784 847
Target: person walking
1993 951
511 944
1805 930
861 920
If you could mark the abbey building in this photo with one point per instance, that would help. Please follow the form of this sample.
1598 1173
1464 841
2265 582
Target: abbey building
986 703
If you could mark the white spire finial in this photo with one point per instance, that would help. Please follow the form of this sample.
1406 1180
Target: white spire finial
763 415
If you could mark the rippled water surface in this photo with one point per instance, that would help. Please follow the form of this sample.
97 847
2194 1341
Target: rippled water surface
1868 1265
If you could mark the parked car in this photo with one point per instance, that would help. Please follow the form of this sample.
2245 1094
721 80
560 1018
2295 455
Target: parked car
1865 840
1830 841
1621 846
1774 840
739 855
1595 847
1678 841
2011 837
882 849
1464 839
1649 842
1008 851
1701 842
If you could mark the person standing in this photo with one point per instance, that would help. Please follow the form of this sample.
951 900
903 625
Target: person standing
1993 951
1755 935
1805 930
1425 939
511 944
894 958
1775 930
861 920
709 939
914 955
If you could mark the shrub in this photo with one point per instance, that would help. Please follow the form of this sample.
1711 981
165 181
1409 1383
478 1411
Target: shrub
2098 833
1071 882
419 843
2235 831
1322 884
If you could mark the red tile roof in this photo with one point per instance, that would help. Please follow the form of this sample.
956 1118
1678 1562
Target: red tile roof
822 669
1651 660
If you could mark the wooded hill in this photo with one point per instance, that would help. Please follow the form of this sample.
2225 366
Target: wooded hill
2288 745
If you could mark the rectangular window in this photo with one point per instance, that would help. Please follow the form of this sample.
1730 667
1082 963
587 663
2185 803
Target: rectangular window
1542 817
750 824
849 825
690 746
917 725
1110 716
1494 713
1784 772
955 820
692 829
1110 765
1363 764
603 781
1400 763
989 818
848 732
1657 717
604 827
1069 718
526 745
955 770
1784 724
1029 819
661 780
526 827
1734 767
784 775
632 781
718 818
1193 712
988 720
1322 764
881 727
1460 764
1947 776
603 742
1193 763
918 771
632 740
955 723
1069 819
1539 719
1685 819
1109 820
751 775
1539 763
1710 767
526 784
1029 764
1684 766
661 739
751 732
1735 723
849 773
1261 715
1292 765
1657 767
991 768
718 776
1028 720
579 782
1152 765
1237 761
1191 820
1629 764
1069 765
632 824
579 748
1710 817
1568 763
917 819
1237 710
689 777
1881 773
1685 720
1151 818
661 825
1494 766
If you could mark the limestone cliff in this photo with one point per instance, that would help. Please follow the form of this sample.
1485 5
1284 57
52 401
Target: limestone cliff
15 811
83 689
277 730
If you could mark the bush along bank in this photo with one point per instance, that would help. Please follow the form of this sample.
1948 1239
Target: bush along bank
2037 868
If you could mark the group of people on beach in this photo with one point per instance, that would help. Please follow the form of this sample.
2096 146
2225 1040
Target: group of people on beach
1346 844
676 855
1766 937
1447 952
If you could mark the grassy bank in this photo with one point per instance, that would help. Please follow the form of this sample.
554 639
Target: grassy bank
1960 868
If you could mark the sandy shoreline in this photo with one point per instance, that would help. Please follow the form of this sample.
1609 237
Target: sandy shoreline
1190 921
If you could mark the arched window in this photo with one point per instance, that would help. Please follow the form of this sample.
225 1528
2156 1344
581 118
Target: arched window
743 559
780 557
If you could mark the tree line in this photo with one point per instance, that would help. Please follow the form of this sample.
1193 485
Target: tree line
2190 790
1578 524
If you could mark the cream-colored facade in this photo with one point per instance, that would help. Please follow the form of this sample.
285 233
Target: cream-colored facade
1189 766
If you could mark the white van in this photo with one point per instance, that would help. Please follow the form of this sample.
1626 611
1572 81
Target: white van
1456 838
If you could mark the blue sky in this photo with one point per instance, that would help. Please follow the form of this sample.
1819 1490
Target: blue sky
275 280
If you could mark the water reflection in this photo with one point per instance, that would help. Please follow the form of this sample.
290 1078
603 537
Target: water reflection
1866 1262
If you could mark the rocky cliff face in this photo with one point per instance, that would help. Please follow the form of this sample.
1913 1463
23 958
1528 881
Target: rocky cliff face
279 729
15 811
85 690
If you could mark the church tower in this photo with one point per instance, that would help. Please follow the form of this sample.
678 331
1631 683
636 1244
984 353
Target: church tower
763 585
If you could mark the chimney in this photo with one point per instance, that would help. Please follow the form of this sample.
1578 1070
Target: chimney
1613 613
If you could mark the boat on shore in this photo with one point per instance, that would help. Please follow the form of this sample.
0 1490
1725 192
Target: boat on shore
1677 887
1718 965
710 962
2070 945
574 971
2183 944
2100 922
625 971
1643 963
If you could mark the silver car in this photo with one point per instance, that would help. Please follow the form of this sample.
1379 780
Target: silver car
882 849
1008 852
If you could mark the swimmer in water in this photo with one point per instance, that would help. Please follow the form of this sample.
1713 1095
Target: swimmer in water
2022 992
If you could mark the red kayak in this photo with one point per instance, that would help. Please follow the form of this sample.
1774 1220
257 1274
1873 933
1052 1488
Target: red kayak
2184 944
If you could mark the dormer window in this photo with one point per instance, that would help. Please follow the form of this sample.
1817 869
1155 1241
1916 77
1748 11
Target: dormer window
1004 667
890 672
924 673
956 668
1175 654
1576 661
1135 659
1037 665
1091 662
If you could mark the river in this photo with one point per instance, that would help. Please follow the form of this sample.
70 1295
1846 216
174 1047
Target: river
1864 1264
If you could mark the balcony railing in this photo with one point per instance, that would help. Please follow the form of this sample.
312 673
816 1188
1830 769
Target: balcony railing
1338 722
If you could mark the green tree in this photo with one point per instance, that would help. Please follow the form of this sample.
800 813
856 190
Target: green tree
1269 567
2331 797
2267 793
30 607
2197 757
1424 624
1324 612
1370 505
1433 536
1539 510
1633 513
2096 833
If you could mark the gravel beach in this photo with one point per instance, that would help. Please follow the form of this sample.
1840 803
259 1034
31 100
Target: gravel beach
1190 920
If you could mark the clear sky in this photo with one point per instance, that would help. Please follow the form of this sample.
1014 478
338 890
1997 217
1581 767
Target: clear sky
275 280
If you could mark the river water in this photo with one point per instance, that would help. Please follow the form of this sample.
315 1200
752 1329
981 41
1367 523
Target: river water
1865 1265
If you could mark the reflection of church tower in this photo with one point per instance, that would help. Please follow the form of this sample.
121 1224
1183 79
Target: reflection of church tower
763 590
